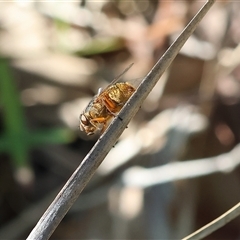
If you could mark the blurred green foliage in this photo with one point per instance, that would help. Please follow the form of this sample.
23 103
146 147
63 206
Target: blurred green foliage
101 46
16 139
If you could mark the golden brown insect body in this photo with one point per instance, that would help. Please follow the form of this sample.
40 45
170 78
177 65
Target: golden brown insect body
104 106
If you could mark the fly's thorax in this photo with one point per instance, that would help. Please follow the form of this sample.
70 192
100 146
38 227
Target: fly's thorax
114 93
121 92
127 89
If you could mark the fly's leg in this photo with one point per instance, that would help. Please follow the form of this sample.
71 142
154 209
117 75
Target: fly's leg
106 124
110 105
98 120
103 120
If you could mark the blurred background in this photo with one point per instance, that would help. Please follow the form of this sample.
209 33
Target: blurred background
167 175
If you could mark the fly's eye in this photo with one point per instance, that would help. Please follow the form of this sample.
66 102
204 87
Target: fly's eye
83 119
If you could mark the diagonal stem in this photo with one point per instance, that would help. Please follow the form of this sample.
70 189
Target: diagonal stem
70 192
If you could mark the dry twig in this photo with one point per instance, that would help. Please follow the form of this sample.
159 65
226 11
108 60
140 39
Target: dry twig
215 224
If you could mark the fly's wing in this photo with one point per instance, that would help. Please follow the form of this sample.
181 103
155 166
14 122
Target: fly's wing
90 104
121 74
100 90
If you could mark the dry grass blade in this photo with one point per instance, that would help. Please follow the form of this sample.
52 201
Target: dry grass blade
70 192
215 224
